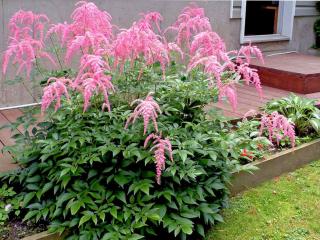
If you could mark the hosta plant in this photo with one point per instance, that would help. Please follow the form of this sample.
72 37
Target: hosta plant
301 111
126 150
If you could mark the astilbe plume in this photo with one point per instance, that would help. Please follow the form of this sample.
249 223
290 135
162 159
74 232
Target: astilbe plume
250 76
208 50
229 92
27 21
89 42
62 31
146 109
54 91
88 17
89 32
191 21
246 52
92 79
140 40
278 127
159 147
153 18
26 41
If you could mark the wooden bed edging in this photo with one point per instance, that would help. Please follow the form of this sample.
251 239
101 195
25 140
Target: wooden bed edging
275 165
43 236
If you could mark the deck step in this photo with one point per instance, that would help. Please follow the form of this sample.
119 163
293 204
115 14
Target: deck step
292 72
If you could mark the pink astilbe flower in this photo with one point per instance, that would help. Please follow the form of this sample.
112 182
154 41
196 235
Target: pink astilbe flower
89 42
191 21
173 47
87 17
62 30
278 127
247 52
23 20
24 53
54 91
212 67
26 41
207 44
159 148
230 93
140 41
250 76
146 109
153 18
94 83
92 63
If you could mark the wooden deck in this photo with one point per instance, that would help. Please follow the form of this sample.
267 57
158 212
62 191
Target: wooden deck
7 117
291 71
248 99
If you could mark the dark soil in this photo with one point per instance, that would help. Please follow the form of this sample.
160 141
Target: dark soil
16 229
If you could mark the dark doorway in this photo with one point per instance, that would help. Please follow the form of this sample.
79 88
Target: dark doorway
261 17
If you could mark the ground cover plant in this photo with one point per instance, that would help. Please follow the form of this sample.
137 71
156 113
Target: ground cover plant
285 208
126 150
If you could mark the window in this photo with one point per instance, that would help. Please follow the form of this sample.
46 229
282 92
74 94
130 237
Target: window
264 21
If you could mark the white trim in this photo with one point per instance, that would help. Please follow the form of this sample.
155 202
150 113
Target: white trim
265 38
285 24
231 9
20 106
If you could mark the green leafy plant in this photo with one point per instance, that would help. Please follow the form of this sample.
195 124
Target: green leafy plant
9 204
96 180
301 111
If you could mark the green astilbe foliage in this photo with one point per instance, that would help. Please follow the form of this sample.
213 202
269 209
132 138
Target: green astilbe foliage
301 111
90 177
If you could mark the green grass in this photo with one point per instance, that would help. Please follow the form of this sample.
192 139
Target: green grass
287 208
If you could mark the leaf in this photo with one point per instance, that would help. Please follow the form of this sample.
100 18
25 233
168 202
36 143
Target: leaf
27 198
114 212
121 196
121 179
136 237
76 205
84 219
218 218
200 230
30 215
46 187
187 229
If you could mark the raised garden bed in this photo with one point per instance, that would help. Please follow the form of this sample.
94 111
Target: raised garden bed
275 165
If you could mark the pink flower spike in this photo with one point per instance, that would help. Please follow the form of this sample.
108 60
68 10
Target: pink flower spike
250 76
247 52
159 147
191 21
87 17
146 109
278 127
230 93
54 91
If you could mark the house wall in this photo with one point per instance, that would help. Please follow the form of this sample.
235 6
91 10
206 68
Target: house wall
126 11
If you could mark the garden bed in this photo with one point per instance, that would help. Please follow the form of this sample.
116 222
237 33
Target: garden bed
275 165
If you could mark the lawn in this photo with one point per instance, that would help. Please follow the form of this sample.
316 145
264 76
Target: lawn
286 208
